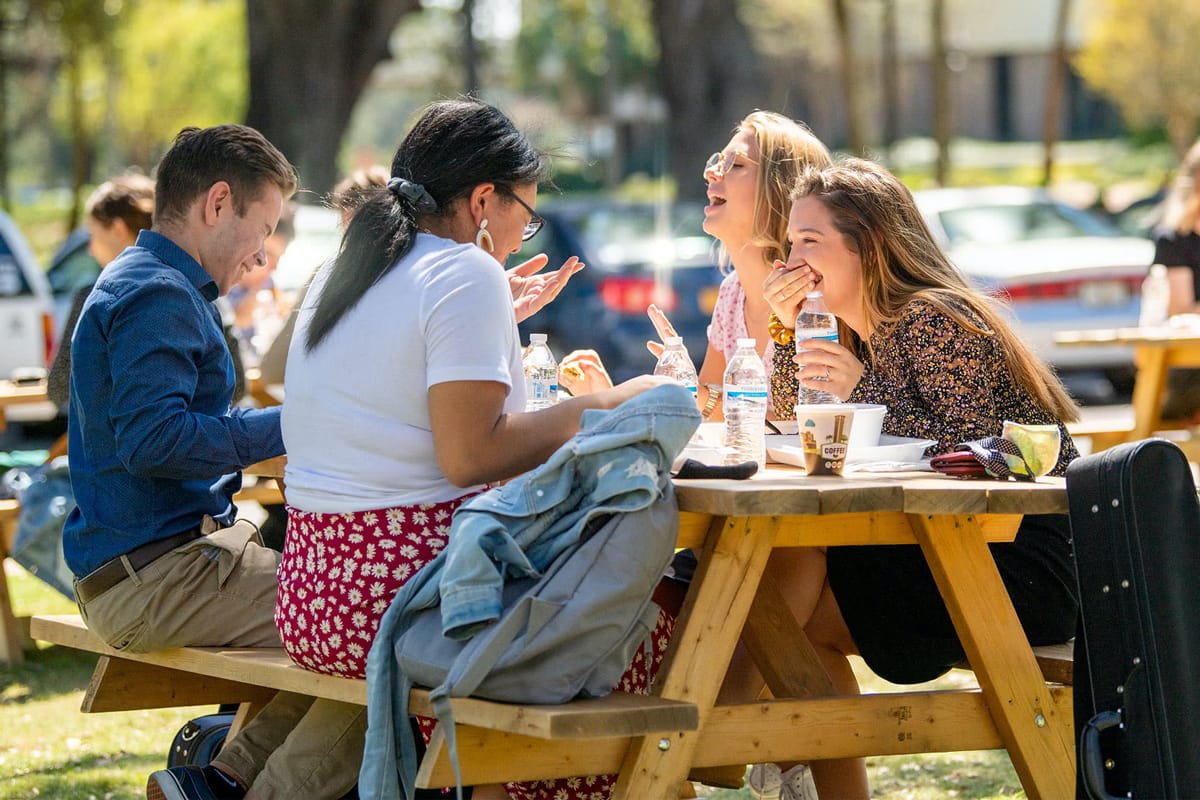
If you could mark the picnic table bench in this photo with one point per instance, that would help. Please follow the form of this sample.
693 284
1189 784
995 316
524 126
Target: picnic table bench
189 676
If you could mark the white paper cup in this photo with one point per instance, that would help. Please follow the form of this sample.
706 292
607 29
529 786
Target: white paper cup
825 436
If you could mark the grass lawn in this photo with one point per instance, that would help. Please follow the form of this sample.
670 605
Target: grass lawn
49 750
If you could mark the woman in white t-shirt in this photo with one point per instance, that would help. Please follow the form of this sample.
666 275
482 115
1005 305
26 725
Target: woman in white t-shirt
405 390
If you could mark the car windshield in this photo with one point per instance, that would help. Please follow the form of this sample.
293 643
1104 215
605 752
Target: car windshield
613 236
998 224
657 235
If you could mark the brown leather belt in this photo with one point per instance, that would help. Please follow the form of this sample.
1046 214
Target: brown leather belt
113 571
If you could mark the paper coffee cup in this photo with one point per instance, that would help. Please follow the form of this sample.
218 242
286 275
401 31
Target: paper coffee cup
824 436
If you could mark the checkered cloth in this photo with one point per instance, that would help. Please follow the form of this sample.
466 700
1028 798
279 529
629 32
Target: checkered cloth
1000 457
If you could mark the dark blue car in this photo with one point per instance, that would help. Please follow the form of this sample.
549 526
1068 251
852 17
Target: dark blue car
636 254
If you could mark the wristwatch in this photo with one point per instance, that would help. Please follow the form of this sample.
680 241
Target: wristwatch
715 390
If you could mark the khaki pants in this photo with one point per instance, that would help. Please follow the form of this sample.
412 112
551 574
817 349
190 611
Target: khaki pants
219 590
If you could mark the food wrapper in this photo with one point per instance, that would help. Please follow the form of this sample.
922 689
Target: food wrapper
1039 445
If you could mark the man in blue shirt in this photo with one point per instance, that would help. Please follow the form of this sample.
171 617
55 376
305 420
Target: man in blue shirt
156 450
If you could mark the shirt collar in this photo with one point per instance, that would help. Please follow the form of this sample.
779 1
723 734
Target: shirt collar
175 256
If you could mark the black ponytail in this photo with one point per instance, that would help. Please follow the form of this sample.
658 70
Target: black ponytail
455 146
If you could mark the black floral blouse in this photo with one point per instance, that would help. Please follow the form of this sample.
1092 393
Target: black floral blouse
938 380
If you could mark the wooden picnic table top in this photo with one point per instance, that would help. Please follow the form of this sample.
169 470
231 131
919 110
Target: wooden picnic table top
1161 335
1157 350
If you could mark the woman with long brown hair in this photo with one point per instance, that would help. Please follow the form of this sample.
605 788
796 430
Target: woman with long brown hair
944 359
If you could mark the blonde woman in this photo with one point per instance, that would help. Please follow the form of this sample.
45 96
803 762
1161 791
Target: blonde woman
748 181
1177 246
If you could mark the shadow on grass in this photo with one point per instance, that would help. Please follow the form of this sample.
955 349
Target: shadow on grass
46 673
90 776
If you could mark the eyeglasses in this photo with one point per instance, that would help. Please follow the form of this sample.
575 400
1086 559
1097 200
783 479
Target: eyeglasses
719 164
535 222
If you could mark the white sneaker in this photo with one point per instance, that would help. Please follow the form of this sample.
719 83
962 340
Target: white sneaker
768 782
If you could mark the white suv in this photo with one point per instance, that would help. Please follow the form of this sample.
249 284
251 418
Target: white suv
26 305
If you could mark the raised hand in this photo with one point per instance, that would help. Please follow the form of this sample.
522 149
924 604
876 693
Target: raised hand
531 292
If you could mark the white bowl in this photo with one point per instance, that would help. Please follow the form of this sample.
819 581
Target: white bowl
864 430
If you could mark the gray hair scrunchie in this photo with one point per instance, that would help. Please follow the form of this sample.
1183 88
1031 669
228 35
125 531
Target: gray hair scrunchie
414 193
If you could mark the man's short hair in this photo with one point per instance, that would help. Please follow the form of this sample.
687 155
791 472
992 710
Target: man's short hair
200 157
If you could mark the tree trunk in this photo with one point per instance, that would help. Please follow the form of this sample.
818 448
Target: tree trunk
5 194
309 63
889 56
1054 91
470 49
81 137
709 73
856 141
941 92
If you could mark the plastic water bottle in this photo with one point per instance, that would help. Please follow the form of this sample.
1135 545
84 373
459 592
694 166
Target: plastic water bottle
815 321
745 406
541 374
676 363
1156 298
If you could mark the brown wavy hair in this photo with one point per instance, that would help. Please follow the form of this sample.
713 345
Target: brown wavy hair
128 197
901 263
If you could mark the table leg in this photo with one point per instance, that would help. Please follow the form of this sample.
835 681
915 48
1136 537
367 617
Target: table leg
734 556
780 648
1148 390
1039 741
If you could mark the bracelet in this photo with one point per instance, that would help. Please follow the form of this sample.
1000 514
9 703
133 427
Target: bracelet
778 332
714 396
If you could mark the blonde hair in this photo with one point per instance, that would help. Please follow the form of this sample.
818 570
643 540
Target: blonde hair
1181 209
901 263
785 148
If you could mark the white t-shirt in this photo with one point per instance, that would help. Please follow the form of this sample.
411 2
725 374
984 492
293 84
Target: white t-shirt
355 414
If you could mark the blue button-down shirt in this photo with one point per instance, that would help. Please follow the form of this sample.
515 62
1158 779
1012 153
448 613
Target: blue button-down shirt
154 445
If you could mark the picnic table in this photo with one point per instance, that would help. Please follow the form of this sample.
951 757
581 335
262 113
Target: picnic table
1155 351
12 393
734 526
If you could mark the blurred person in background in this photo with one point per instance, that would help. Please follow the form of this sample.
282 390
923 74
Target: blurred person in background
749 183
1177 246
257 307
116 211
346 197
350 193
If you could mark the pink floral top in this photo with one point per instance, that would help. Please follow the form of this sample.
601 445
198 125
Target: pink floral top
729 323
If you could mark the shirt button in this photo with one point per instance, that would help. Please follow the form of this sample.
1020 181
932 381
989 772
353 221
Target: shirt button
540 493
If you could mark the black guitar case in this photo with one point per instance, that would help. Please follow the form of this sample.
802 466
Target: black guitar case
1135 525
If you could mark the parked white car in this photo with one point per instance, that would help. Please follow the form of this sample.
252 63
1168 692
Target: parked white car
1061 267
26 306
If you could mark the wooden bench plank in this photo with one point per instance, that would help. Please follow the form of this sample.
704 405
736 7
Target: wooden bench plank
118 684
832 727
12 630
248 669
265 492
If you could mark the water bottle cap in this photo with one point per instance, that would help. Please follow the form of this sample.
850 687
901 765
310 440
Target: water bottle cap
819 293
746 342
1158 269
537 338
672 341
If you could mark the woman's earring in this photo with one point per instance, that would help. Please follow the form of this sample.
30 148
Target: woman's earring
483 239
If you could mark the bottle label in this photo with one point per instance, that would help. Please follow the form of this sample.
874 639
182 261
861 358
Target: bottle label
749 394
829 336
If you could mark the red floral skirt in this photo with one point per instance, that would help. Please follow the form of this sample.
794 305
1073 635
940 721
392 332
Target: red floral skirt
337 577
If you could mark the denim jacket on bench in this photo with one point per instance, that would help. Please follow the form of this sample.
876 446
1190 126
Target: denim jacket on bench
611 465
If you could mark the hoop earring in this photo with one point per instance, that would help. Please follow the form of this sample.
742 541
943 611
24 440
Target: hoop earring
483 239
